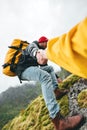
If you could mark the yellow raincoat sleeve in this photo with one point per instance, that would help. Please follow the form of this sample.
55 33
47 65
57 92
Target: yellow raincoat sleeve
70 50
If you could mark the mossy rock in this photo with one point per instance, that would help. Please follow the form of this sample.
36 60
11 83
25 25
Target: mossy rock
82 99
69 81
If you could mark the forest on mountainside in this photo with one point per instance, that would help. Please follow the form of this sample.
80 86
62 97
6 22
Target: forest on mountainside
15 99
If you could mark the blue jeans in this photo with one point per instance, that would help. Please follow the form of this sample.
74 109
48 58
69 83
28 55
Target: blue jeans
46 76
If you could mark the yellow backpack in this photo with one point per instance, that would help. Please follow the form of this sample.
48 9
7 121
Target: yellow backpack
13 55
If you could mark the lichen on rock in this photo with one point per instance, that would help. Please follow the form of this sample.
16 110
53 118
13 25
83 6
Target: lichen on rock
82 99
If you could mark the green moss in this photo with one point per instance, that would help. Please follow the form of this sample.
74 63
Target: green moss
46 122
23 118
82 99
69 81
64 105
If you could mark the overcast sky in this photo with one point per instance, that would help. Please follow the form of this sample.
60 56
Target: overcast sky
30 19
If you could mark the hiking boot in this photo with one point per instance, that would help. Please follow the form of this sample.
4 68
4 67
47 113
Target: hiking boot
59 93
69 123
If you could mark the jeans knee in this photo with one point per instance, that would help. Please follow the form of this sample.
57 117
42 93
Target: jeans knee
46 78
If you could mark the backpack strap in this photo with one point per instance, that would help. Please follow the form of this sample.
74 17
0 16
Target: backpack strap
18 50
12 65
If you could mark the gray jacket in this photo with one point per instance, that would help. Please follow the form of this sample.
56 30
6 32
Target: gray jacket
32 49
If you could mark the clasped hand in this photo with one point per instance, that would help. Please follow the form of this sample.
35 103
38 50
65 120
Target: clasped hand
41 57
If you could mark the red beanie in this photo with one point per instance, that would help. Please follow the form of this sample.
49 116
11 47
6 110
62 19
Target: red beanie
42 39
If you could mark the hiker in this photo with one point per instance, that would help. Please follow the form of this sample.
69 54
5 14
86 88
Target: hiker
32 70
41 43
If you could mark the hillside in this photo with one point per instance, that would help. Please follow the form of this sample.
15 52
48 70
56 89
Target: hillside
16 99
35 116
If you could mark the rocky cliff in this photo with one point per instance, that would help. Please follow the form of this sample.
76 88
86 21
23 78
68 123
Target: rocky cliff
35 116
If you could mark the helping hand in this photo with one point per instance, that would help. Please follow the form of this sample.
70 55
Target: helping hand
41 59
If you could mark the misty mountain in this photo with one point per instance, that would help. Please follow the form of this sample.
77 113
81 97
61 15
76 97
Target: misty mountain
15 99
